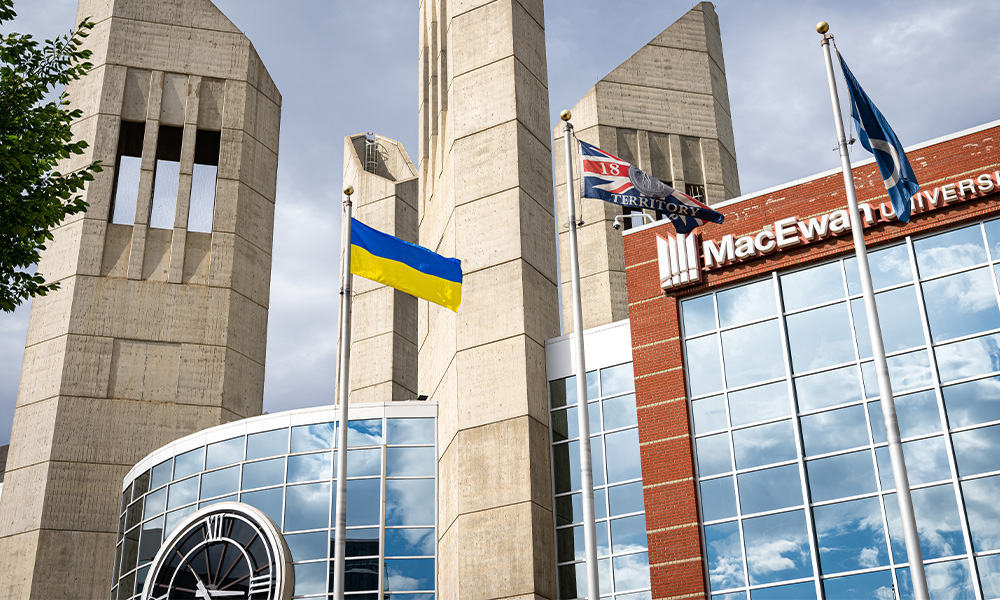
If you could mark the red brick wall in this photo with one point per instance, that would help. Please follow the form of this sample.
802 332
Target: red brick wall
675 553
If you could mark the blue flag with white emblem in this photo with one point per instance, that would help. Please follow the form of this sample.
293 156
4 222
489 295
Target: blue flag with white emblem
878 138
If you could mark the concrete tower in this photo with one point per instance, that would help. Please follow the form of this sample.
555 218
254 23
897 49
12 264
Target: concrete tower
665 110
486 198
159 328
384 336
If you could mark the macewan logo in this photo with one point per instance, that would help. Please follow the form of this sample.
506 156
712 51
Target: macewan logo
679 257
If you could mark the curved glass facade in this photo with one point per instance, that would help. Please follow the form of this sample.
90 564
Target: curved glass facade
284 465
796 490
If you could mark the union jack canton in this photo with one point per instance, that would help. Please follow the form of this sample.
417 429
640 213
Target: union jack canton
609 178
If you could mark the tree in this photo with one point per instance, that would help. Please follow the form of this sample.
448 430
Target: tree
35 135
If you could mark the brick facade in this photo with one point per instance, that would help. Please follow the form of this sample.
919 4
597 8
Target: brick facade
675 548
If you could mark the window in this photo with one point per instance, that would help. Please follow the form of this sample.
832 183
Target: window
167 176
206 170
128 163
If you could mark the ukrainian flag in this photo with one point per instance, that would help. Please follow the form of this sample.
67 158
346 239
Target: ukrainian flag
407 267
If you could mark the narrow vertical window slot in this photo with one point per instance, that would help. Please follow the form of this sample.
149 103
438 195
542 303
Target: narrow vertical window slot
206 171
168 170
128 164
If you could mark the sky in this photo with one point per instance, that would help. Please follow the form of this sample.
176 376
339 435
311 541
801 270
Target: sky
346 67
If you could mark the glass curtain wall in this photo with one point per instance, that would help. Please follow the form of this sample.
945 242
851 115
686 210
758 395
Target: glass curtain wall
623 561
289 474
796 489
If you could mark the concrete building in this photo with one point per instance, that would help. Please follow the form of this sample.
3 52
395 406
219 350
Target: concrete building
159 327
486 198
665 110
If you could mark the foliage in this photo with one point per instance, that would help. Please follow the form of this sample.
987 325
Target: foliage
35 135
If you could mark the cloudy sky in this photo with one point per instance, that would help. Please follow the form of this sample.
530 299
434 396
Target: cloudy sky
346 67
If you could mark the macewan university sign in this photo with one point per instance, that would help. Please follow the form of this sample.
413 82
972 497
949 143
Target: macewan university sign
682 260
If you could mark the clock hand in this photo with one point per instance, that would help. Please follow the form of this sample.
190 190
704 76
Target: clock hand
202 590
224 593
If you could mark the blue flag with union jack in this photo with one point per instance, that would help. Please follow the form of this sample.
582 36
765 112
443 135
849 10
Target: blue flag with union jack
609 178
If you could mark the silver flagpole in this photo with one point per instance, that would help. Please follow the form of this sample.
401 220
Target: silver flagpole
580 369
344 379
913 554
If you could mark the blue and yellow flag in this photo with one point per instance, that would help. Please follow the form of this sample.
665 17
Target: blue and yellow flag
407 267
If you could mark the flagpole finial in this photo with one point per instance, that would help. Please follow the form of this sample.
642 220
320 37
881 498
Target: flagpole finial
565 115
349 190
822 27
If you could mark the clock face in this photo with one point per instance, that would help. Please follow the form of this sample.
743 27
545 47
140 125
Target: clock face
225 551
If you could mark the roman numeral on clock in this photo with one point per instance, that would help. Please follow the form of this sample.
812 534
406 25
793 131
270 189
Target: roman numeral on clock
214 526
260 584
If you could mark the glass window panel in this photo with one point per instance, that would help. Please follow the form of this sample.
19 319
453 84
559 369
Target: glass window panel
718 499
360 574
993 239
759 403
764 444
173 519
224 453
623 455
812 286
409 542
308 506
828 388
769 489
961 304
189 463
725 556
702 365
408 462
698 314
752 353
364 433
310 578
570 543
746 303
736 596
220 483
267 443
569 509
938 525
358 542
973 402
713 455
364 463
631 572
182 492
976 450
202 198
841 476
617 380
835 430
885 476
363 499
944 580
155 503
968 358
709 414
626 498
127 191
149 539
270 502
917 414
878 422
164 194
851 536
559 391
264 473
983 511
989 575
949 251
139 487
409 431
866 586
308 546
906 372
777 547
311 467
899 321
926 460
628 534
160 474
619 412
818 338
409 502
414 574
319 436
573 579
794 591
566 464
888 266
566 422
